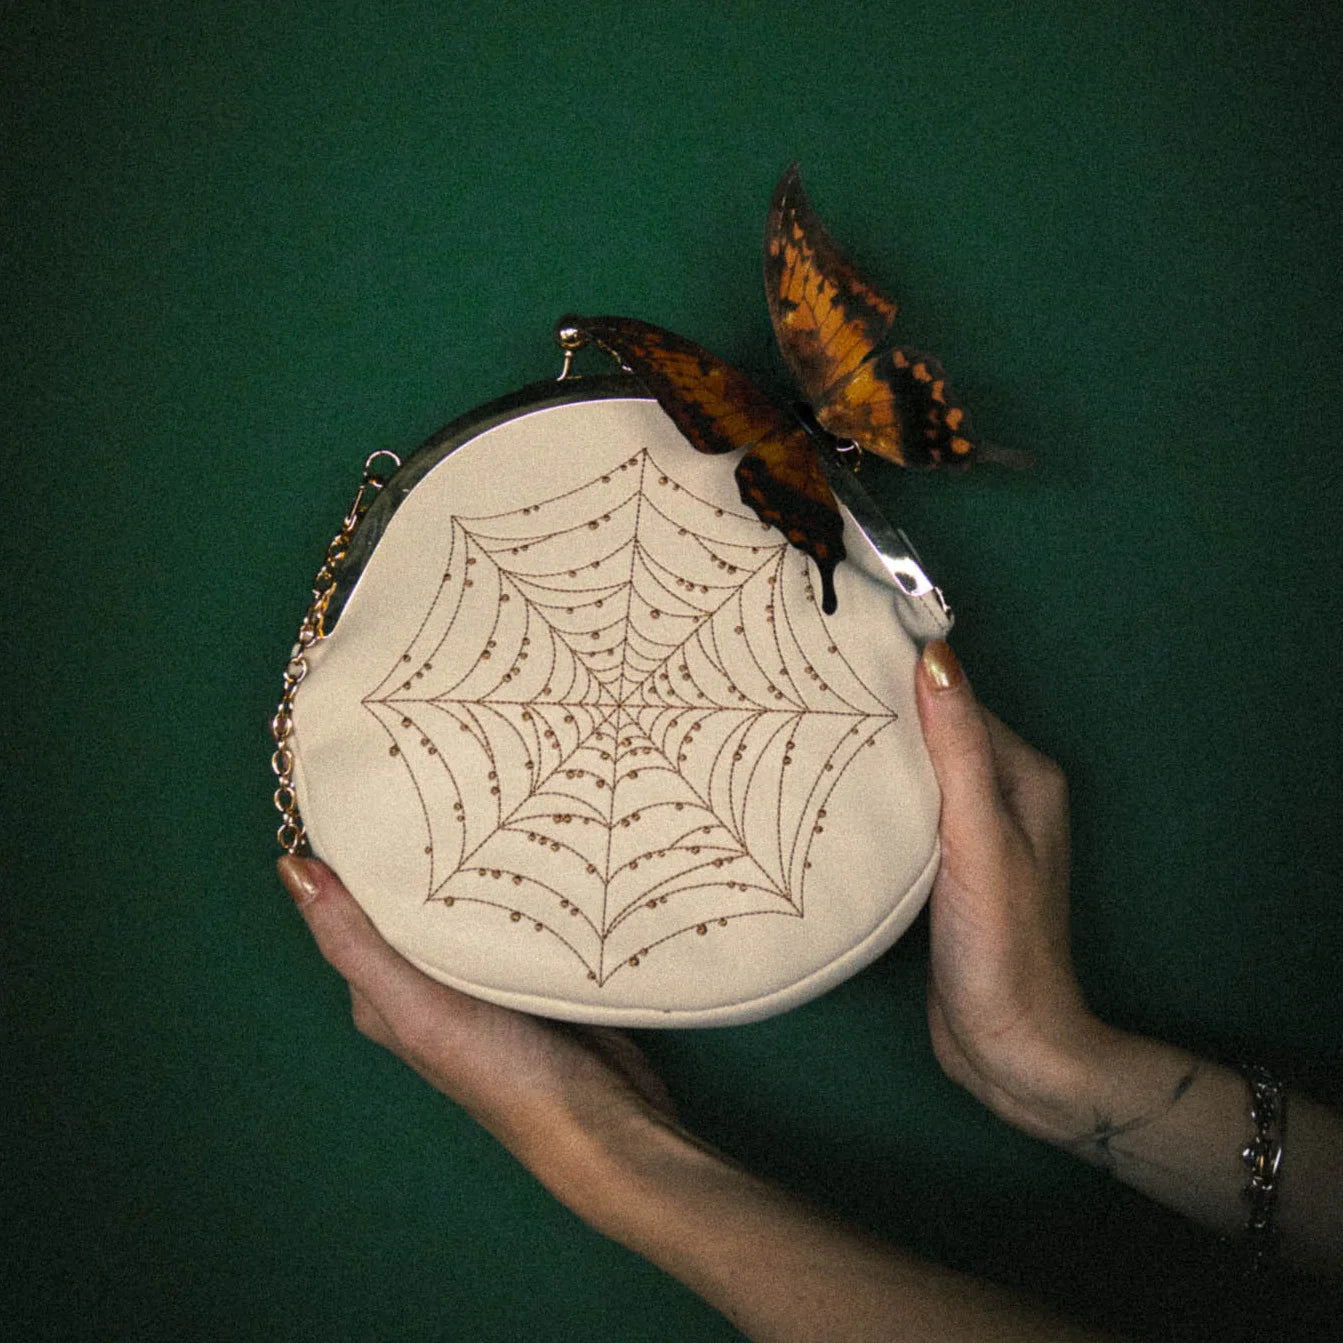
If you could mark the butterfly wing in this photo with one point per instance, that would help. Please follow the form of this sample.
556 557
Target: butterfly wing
781 479
897 404
827 318
719 409
831 324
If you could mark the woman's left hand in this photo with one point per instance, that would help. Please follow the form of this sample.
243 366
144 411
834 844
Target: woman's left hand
557 1096
581 1109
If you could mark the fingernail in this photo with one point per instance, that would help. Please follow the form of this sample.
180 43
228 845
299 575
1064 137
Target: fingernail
941 665
298 880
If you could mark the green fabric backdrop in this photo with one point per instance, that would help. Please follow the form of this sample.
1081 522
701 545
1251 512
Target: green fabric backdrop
248 243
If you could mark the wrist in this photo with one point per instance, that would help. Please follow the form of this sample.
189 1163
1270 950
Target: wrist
1046 1083
613 1171
1066 1084
1100 1090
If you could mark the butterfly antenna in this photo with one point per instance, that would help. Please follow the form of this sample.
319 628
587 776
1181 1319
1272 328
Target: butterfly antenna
1010 457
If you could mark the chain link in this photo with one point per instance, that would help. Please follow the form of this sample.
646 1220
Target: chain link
1262 1158
291 835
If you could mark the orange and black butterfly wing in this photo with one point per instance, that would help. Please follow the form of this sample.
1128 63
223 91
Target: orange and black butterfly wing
897 404
781 478
831 325
719 409
827 318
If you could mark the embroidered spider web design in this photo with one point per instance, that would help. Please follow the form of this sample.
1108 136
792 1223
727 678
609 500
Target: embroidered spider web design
623 716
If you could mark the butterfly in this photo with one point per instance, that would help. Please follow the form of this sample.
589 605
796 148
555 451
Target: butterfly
832 327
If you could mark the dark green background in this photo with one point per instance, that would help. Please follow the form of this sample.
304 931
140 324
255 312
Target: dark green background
246 244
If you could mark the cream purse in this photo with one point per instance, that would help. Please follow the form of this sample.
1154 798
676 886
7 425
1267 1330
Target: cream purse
569 722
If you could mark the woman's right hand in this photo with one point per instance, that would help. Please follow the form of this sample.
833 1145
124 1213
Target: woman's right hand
1006 1015
1008 1020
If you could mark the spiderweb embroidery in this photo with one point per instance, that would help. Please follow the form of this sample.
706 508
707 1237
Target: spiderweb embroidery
623 716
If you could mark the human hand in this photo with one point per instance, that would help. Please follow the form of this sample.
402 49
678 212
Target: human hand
563 1099
581 1109
1005 1012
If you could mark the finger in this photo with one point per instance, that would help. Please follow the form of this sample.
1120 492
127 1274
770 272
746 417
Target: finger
1006 744
368 1020
392 986
1033 787
617 1049
1012 752
1013 758
957 736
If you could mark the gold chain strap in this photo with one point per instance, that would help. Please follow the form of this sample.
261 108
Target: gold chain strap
291 836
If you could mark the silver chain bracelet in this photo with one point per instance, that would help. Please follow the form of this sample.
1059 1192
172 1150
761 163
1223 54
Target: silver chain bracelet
1262 1157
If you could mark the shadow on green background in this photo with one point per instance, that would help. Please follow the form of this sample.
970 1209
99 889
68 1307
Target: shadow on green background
248 244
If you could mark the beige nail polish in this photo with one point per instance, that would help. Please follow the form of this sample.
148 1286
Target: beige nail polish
298 880
941 665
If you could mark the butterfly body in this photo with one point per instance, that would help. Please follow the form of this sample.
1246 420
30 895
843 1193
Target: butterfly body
831 326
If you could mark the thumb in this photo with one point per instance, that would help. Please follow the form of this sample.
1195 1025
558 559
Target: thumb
353 946
957 737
